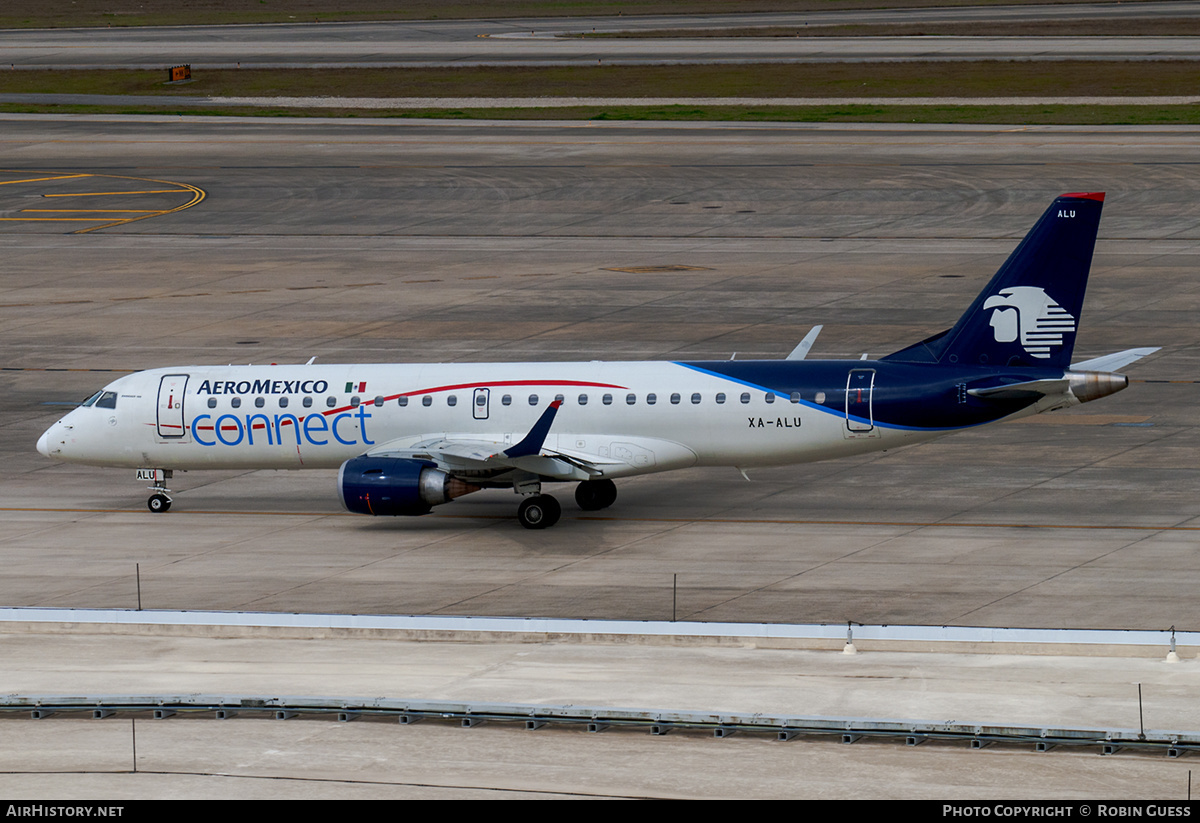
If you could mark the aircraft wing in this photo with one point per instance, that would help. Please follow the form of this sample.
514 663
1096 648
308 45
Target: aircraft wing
452 454
471 457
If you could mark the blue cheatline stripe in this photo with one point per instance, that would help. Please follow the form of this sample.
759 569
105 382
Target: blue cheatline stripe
840 415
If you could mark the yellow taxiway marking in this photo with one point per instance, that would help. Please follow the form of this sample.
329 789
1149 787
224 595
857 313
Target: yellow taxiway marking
890 523
1088 419
140 511
106 218
111 193
39 179
20 368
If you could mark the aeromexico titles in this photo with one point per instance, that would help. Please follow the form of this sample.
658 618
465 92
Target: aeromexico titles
406 438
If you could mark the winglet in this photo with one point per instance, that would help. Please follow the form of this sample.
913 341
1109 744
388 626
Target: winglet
803 347
532 444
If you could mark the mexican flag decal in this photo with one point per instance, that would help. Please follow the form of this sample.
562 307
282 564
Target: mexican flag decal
358 387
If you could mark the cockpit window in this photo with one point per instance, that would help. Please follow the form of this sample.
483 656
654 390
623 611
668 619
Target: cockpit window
108 400
91 400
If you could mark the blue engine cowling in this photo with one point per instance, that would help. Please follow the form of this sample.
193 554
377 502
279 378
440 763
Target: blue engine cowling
393 486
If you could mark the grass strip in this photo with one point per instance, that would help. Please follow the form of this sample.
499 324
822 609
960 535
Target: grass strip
1110 27
1066 78
100 13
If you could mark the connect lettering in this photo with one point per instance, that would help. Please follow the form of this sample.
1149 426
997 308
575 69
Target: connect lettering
347 428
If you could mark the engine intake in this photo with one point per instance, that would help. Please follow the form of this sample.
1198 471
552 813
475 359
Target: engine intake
391 486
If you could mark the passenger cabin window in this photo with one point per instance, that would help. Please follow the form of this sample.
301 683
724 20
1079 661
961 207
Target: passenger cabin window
402 400
237 402
426 401
795 397
355 402
696 398
675 399
506 400
583 399
770 398
308 402
212 402
283 402
331 401
606 399
259 402
631 399
452 400
720 397
558 398
651 399
745 398
379 400
533 399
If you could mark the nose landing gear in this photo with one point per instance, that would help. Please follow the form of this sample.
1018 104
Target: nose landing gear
160 501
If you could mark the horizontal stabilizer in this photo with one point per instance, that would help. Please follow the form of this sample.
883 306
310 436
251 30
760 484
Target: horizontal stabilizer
1022 391
805 345
1114 362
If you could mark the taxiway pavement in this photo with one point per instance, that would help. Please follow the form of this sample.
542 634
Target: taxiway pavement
394 241
379 240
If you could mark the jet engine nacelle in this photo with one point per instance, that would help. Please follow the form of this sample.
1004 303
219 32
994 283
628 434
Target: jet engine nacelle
396 486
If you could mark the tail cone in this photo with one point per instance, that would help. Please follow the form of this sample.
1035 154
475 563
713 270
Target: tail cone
1092 385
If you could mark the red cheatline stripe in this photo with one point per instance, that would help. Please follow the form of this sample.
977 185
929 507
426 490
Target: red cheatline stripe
436 389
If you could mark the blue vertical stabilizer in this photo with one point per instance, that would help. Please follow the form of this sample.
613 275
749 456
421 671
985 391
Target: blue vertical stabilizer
1029 312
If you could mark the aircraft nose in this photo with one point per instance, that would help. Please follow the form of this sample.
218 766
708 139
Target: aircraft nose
43 445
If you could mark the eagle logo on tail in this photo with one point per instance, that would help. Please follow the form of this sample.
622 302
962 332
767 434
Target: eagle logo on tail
1028 313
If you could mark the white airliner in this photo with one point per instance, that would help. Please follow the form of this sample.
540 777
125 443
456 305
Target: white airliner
407 438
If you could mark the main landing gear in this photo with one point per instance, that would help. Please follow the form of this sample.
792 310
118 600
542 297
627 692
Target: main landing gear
541 511
594 495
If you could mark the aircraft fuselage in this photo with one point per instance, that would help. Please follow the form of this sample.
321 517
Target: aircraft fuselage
633 417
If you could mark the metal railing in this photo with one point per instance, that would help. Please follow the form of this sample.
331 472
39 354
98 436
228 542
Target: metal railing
599 718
